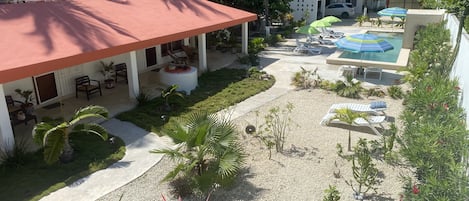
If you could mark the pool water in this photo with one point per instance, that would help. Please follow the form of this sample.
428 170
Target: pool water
389 56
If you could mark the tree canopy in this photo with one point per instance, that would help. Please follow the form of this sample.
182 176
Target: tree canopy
277 8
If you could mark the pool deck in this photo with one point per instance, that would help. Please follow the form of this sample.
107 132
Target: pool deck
400 63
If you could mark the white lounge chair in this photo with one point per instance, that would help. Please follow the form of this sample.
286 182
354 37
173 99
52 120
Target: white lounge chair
328 33
370 121
303 48
356 107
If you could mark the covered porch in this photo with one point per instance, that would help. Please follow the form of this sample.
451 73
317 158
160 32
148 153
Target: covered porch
116 100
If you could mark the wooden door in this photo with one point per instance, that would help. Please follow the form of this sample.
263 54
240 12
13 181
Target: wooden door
150 54
46 87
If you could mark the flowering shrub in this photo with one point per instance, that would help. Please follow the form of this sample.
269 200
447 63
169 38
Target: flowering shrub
435 140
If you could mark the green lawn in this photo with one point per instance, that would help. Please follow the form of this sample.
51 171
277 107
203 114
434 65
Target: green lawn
217 90
32 178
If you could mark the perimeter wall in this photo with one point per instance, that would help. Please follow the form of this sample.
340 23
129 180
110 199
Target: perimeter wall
460 69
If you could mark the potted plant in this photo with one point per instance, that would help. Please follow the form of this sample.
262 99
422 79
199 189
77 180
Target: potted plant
27 104
107 73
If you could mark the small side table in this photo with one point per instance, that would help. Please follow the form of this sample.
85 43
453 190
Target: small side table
373 70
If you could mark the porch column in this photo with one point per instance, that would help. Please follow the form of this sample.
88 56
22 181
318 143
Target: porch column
186 41
202 53
7 139
132 74
323 8
192 42
244 38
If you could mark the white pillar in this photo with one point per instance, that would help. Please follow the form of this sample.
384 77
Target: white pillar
7 139
244 38
323 8
202 53
132 74
186 41
192 42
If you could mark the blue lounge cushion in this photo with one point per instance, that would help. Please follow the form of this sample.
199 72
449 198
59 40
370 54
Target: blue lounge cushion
377 104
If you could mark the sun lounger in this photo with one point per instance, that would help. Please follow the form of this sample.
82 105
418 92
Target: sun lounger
303 48
370 121
376 107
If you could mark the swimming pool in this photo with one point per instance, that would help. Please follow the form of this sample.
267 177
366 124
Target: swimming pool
389 56
375 60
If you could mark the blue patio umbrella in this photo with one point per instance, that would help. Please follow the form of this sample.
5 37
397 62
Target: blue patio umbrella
363 43
393 12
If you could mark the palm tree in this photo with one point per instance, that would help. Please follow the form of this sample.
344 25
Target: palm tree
348 116
54 136
208 153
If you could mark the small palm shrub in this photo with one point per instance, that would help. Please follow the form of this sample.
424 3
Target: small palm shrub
395 92
377 92
361 19
327 85
306 79
256 45
55 136
142 99
350 88
209 153
331 194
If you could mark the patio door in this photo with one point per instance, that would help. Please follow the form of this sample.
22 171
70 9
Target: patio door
150 54
46 87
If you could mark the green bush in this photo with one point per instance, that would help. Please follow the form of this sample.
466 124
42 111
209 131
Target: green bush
256 45
377 92
434 141
395 92
331 194
350 88
306 79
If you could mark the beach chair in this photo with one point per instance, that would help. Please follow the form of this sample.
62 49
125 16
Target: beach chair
303 48
375 108
370 121
327 33
348 70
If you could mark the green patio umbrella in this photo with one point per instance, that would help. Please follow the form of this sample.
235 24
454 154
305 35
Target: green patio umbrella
331 19
307 29
320 24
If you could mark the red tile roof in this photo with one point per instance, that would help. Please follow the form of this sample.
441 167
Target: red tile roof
46 36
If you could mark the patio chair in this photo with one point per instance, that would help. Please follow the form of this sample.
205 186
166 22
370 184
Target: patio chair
120 70
323 41
87 85
178 59
375 108
370 121
348 70
13 105
191 53
327 33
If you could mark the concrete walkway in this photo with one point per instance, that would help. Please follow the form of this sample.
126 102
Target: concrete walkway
136 161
